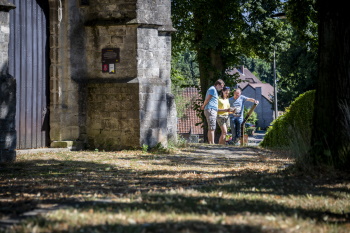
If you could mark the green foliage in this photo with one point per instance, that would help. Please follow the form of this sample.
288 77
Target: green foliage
303 17
144 148
260 68
181 142
184 69
222 30
173 146
184 73
253 117
297 65
182 104
249 131
293 129
266 34
298 69
159 149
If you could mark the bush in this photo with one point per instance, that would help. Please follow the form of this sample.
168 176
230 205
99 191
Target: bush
292 131
253 118
249 131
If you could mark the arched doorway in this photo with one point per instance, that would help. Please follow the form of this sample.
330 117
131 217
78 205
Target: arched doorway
29 65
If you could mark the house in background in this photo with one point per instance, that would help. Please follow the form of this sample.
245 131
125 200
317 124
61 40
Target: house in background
252 87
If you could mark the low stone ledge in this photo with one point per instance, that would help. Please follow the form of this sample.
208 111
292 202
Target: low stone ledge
41 150
72 145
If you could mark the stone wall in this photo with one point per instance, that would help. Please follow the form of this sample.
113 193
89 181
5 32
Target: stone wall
4 37
67 118
113 116
158 113
111 10
128 108
123 37
7 91
154 76
125 109
7 118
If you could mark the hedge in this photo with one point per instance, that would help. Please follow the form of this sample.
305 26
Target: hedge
293 129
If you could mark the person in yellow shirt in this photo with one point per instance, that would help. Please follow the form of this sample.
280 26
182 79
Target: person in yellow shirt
223 112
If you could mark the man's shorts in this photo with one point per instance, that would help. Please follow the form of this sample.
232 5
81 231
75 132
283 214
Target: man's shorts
211 115
223 120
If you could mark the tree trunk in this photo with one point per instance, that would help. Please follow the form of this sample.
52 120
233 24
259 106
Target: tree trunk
210 65
331 125
210 62
204 85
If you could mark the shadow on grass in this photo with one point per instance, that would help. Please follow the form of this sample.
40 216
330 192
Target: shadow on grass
26 185
215 156
181 204
279 183
154 227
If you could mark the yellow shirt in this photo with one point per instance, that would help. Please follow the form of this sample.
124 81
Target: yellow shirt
223 104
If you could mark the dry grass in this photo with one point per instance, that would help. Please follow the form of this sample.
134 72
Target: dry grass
199 189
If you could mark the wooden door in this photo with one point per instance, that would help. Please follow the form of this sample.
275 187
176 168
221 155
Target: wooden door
29 65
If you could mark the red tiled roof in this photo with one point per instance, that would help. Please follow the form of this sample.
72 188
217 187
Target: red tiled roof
187 124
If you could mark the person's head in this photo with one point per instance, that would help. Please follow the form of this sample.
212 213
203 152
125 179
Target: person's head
219 84
237 93
225 92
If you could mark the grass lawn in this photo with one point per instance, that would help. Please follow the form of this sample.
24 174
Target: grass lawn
199 189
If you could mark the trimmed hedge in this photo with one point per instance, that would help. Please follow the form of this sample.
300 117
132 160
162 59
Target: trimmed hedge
294 127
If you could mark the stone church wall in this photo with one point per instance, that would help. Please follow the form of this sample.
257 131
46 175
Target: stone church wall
7 91
128 108
94 109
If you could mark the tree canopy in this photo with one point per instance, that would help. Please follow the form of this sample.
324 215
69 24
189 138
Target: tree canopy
314 53
220 31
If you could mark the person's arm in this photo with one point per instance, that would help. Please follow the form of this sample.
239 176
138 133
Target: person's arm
224 110
206 101
253 100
